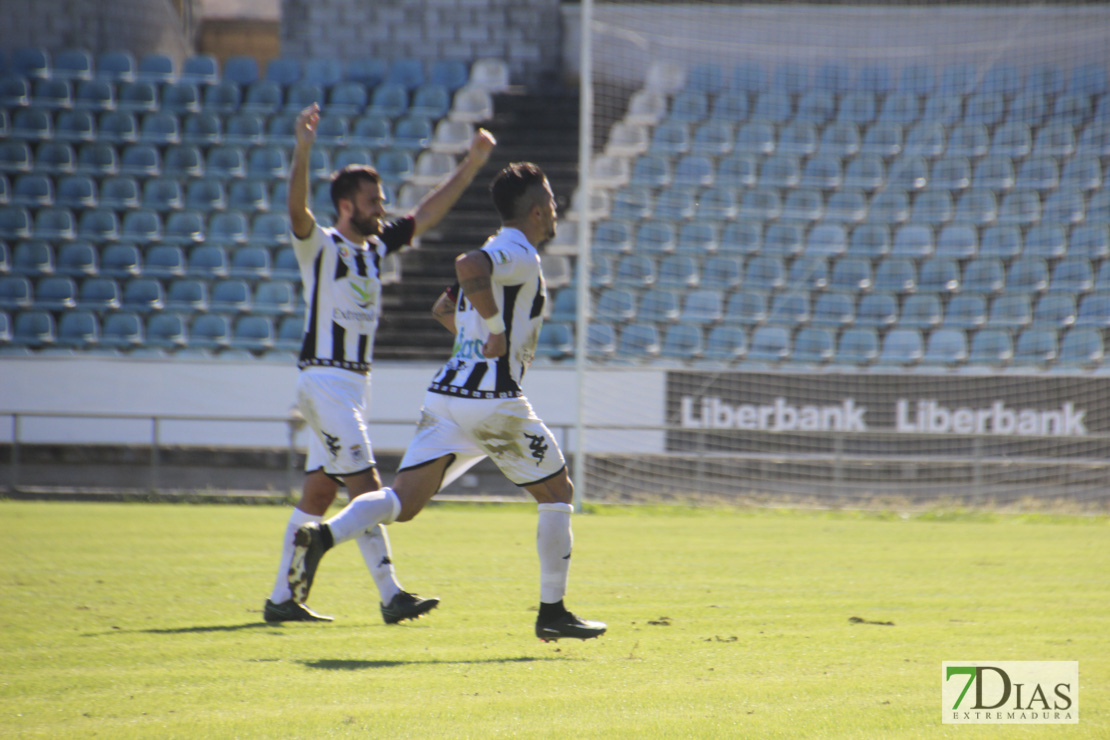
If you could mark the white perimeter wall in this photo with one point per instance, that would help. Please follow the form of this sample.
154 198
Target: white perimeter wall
262 394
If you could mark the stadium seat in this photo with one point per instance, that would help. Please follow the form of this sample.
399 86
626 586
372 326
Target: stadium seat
33 258
731 107
249 262
274 298
895 275
682 342
98 225
769 344
164 261
1020 208
1003 242
451 73
143 295
55 293
166 331
866 172
55 223
877 310
1010 311
929 138
638 341
1036 347
79 329
761 204
1081 348
765 271
901 348
1090 241
55 158
725 343
946 348
121 260
269 229
748 307
984 275
601 339
1072 274
1055 310
1011 140
790 308
659 305
702 306
1027 275
803 204
939 275
122 330
813 345
852 274
857 346
52 94
187 295
15 222
210 331
834 310
991 347
32 124
16 292
966 311
77 259
869 240
951 173
76 192
957 241
976 207
245 130
32 190
741 238
242 70
253 333
921 311
890 207
615 304
230 296
914 241
676 271
225 161
285 265
141 225
34 328
808 271
207 261
161 194
115 66
721 272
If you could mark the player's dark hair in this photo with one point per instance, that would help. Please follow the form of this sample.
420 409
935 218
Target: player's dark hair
516 189
347 181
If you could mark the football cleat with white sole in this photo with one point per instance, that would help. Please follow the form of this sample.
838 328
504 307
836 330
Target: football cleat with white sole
291 611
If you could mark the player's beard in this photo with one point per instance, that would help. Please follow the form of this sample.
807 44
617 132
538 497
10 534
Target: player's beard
366 226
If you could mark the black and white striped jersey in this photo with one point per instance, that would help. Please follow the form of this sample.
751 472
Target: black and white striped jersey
519 290
342 293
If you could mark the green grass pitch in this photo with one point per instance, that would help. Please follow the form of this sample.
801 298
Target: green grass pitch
144 621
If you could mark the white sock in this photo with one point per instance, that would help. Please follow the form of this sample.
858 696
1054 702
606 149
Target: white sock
281 586
374 544
553 542
374 507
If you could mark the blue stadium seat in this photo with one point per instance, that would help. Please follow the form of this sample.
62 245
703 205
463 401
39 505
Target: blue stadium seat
725 343
1027 275
761 204
1010 311
121 260
747 307
1081 348
866 172
164 261
730 107
815 108
261 98
274 298
991 347
161 194
851 274
75 127
166 331
253 333
734 171
833 310
1090 241
240 69
890 207
55 158
208 261
901 348
813 345
249 262
225 161
932 208
55 223
939 275
803 204
373 131
721 272
230 296
655 236
1035 347
290 334
122 330
52 94
133 98
957 241
32 190
1047 241
921 311
966 311
55 293
1003 242
210 331
790 308
1056 310
808 271
1065 206
877 310
33 258
15 222
77 259
702 306
682 342
870 240
269 229
227 229
741 238
1094 311
79 329
601 339
115 66
675 271
1072 274
1020 208
841 139
946 347
857 346
713 138
16 292
32 124
984 275
846 206
638 341
207 194
389 100
755 137
302 94
395 165
765 271
615 304
143 295
34 328
769 344
141 225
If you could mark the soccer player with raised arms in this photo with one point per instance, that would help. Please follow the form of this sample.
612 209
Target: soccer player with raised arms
340 267
474 406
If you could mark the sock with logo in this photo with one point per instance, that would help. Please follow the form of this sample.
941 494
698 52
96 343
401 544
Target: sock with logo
554 540
281 585
364 512
374 544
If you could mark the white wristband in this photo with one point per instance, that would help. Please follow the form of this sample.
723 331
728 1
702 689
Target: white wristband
496 324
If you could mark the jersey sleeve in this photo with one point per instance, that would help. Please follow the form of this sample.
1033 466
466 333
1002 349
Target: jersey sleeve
511 263
398 234
306 249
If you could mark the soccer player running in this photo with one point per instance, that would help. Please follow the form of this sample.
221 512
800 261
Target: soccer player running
340 267
474 407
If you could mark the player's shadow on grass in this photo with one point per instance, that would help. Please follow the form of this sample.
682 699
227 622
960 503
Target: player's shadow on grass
362 665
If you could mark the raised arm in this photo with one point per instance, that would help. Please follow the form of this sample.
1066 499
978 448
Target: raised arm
434 206
474 270
300 217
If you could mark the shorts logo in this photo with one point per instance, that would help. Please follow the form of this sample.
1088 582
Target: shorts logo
501 258
356 452
332 443
538 446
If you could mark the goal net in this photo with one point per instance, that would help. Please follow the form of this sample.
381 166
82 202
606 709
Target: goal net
842 253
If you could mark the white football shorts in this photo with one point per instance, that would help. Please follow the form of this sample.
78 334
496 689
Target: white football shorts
506 430
335 404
